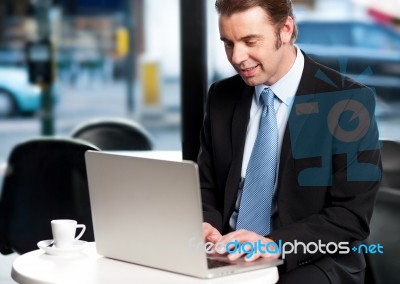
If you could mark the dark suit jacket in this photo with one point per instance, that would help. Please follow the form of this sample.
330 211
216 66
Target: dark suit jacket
337 212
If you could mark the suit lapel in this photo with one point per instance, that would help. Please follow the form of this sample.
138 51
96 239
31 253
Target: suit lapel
240 121
306 88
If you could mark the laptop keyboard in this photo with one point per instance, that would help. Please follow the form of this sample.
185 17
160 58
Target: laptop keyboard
214 263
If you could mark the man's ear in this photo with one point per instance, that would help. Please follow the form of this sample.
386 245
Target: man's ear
287 30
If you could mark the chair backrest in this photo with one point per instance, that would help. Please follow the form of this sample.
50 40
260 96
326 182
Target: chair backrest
385 230
385 221
45 179
114 134
390 152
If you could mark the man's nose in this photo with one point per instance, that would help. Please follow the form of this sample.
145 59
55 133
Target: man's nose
239 55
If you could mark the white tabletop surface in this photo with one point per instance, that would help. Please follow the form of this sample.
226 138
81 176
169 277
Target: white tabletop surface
88 267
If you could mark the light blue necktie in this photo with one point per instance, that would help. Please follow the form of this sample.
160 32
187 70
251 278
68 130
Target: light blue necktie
256 201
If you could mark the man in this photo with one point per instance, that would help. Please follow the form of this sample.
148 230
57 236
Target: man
321 178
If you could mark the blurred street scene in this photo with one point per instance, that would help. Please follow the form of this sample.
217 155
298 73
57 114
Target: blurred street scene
113 59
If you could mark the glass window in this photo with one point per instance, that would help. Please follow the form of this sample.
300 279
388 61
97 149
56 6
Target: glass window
91 43
218 65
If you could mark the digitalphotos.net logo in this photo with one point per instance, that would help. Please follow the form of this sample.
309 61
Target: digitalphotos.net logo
283 248
345 121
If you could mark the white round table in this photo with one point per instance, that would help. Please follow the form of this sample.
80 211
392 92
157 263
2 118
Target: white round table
88 267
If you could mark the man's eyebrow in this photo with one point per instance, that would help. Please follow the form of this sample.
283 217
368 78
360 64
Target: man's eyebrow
248 37
251 37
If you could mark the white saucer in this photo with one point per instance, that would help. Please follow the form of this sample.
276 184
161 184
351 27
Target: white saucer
76 247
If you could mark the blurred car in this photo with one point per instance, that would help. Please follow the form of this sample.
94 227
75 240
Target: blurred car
372 51
17 95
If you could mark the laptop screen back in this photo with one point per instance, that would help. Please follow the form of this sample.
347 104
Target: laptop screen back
147 211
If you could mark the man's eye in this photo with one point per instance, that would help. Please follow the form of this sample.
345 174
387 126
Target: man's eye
228 45
251 43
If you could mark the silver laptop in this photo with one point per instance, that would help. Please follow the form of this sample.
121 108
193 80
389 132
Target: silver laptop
148 212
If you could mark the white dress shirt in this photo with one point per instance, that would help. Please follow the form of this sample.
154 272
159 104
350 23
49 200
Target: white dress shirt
284 90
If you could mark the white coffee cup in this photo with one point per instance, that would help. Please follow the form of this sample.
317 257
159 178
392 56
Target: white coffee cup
64 231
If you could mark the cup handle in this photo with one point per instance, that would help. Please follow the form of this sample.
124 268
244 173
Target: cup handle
83 227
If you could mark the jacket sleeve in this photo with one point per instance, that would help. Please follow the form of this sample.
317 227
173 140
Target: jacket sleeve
205 160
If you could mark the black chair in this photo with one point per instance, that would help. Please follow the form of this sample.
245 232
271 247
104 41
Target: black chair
45 179
390 152
385 223
385 230
114 134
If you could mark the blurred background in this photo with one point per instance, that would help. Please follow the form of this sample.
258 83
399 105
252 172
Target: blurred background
119 58
123 59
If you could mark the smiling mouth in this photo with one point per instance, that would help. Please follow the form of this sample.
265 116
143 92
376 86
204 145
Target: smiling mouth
248 72
249 69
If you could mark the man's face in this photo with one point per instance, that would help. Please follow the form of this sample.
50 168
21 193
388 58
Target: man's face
250 45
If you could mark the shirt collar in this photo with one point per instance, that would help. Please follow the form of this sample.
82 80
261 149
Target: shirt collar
285 88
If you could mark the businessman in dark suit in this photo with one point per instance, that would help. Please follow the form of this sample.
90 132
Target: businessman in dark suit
327 172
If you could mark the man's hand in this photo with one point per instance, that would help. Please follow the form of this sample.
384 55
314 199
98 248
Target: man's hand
210 233
247 236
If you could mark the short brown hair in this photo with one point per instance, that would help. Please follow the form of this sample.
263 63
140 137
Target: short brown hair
277 10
